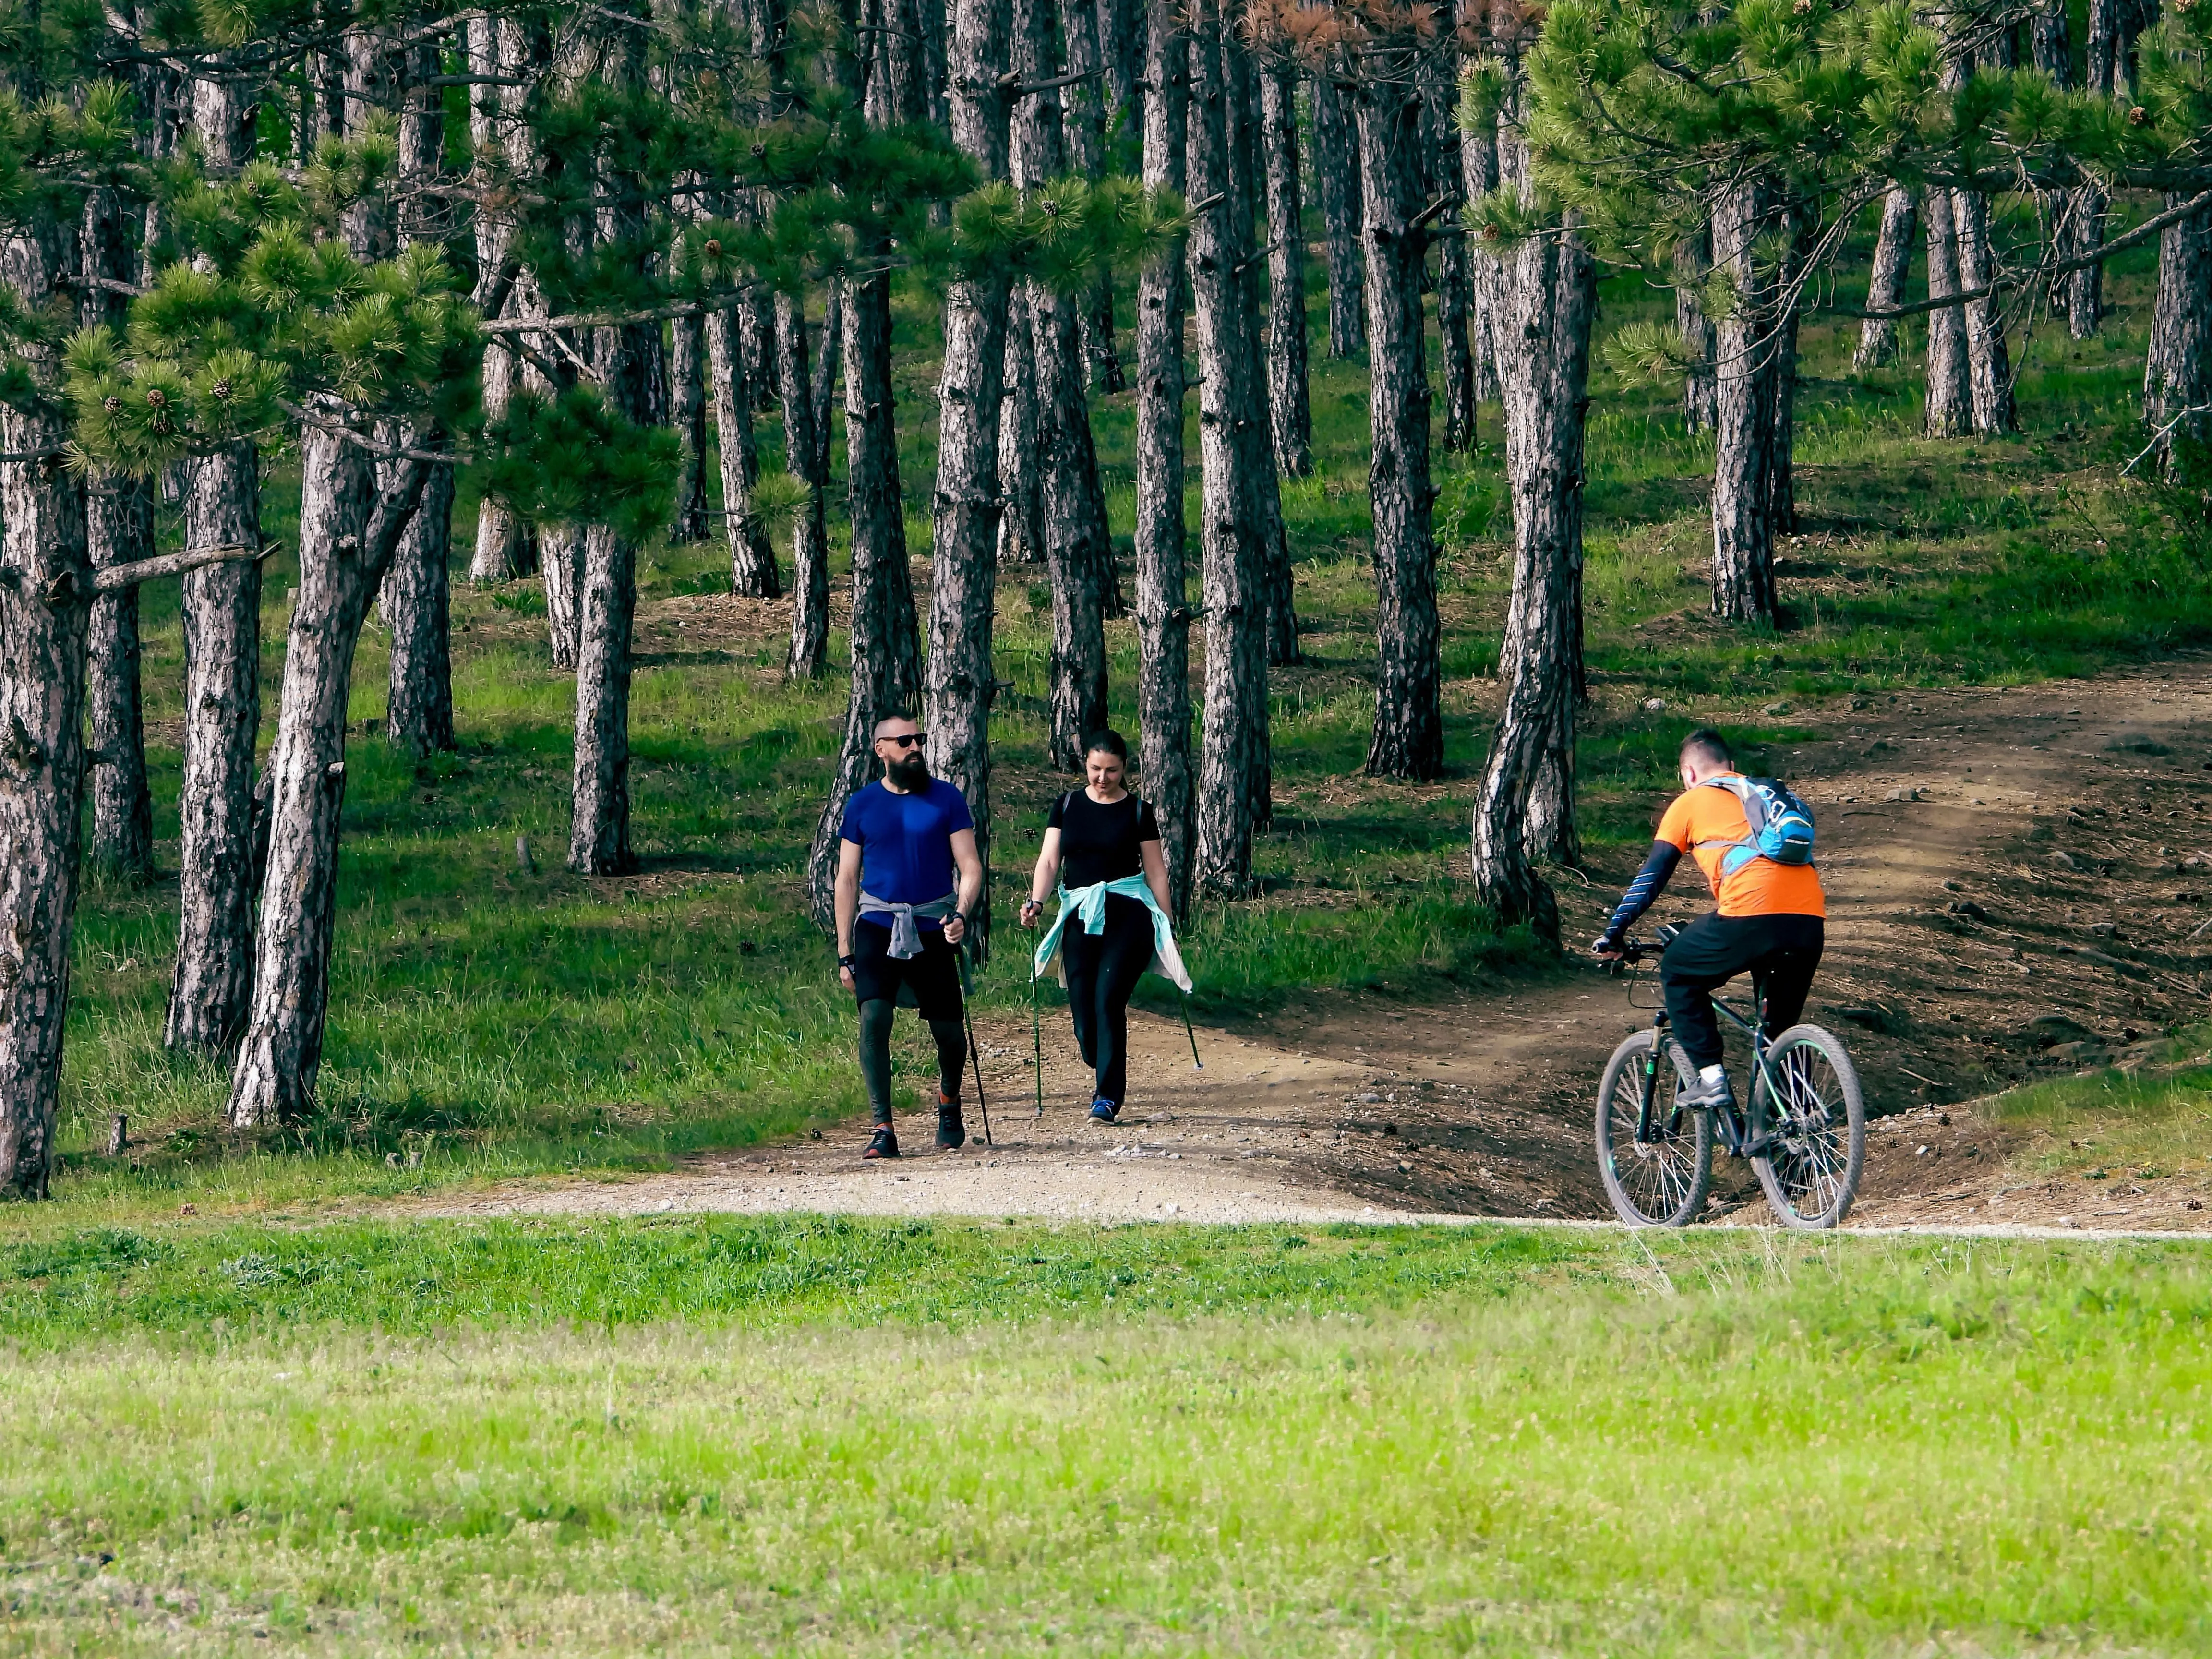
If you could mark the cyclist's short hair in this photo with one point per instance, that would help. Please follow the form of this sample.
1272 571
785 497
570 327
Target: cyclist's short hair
1707 747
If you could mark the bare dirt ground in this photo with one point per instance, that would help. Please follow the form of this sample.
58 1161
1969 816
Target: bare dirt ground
2016 881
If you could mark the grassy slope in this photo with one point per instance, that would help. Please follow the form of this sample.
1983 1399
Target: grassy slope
486 1019
870 1438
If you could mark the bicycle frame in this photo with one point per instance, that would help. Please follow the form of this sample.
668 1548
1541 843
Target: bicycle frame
1747 1025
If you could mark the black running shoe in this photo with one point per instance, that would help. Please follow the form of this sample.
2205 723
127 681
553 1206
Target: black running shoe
884 1143
951 1132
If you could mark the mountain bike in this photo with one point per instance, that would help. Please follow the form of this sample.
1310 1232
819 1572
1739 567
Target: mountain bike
1657 1158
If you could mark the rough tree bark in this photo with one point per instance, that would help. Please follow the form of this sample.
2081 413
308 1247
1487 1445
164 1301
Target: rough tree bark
1021 518
2112 24
43 632
1163 606
1336 170
1478 153
1950 405
627 359
886 654
1893 259
1455 279
1240 79
1288 403
497 47
807 457
118 529
1746 359
752 556
830 360
687 410
960 682
2177 366
1230 392
350 532
1692 259
1083 126
1989 365
416 605
1409 736
214 970
1078 551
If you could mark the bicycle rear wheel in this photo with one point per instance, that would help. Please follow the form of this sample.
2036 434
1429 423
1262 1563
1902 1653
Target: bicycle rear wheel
1813 1177
1661 1181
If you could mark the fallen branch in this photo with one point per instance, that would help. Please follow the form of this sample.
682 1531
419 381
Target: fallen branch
115 578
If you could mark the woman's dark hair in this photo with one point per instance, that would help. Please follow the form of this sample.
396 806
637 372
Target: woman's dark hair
1106 740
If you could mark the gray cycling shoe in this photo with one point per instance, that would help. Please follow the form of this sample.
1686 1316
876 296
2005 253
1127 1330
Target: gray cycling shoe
1702 1097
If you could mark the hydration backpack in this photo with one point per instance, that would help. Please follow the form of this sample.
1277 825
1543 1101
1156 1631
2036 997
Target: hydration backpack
1781 824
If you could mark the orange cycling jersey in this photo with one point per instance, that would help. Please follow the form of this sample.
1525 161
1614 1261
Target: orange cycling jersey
1705 823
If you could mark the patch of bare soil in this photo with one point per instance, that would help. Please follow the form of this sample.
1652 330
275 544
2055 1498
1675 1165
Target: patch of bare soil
2018 882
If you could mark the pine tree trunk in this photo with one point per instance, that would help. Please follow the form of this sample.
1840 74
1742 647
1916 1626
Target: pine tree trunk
807 458
1455 282
1544 291
2177 366
1950 408
118 529
497 47
1744 410
886 654
1893 259
208 989
1782 470
1122 36
825 384
43 620
1692 259
687 404
1288 403
1021 518
1083 123
1229 394
1078 551
1479 170
350 533
1336 170
752 556
1241 79
1409 736
960 681
418 605
1989 364
561 557
1163 599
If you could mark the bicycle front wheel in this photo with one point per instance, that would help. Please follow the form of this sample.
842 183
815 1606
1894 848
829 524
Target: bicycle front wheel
1820 1117
1660 1181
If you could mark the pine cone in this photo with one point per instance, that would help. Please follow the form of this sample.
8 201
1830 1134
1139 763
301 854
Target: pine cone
2138 117
112 405
156 396
219 390
714 247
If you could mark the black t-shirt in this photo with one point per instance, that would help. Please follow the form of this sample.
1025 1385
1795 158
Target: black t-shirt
1099 843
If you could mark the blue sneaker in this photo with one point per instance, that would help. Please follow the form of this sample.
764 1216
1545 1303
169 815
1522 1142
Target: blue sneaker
1104 1110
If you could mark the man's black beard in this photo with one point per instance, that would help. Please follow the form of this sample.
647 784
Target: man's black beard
911 774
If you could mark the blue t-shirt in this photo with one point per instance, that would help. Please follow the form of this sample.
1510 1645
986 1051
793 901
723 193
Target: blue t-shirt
906 842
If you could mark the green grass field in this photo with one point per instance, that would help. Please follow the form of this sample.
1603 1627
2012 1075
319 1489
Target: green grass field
828 1435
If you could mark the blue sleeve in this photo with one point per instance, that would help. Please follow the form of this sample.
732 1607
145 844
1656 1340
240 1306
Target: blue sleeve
1650 881
851 828
956 815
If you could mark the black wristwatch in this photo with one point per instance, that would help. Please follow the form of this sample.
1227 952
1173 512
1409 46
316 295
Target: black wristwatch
959 917
846 962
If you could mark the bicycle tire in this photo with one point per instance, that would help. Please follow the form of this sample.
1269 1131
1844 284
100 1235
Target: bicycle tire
1661 1183
1811 1183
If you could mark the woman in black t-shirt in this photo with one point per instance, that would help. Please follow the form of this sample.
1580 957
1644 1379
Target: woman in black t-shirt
1098 834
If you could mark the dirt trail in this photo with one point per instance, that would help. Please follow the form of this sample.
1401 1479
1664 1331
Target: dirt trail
2013 877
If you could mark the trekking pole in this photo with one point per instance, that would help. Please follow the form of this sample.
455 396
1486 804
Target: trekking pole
975 1053
1036 1038
1191 1034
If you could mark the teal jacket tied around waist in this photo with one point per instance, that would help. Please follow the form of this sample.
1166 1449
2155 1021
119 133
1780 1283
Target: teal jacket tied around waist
1088 905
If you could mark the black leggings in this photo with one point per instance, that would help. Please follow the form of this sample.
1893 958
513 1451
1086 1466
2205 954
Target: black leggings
876 1055
1103 971
1780 952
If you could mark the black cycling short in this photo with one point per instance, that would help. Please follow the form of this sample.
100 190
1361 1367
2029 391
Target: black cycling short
929 982
1780 953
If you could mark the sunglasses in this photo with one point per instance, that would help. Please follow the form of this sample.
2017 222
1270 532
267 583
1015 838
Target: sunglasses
912 740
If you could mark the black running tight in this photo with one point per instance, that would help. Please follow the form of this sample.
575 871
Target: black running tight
1103 971
876 1055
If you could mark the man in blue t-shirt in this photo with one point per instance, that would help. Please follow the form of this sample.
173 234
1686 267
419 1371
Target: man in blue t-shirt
908 875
